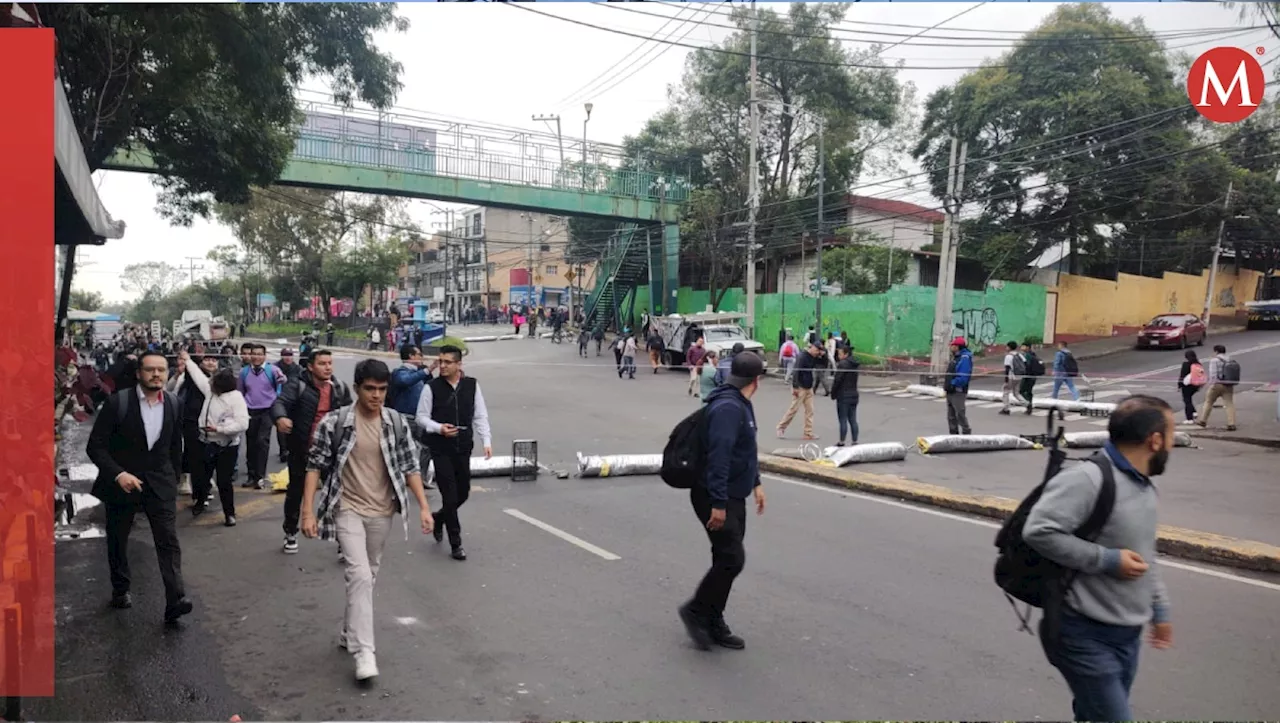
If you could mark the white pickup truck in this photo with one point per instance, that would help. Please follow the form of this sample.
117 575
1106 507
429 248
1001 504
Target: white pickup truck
720 332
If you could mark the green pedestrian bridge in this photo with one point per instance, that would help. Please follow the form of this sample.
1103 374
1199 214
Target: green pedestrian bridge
417 155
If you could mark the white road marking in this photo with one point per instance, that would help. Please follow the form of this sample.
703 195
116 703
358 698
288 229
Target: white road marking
578 541
887 392
905 395
1111 393
939 400
991 524
991 405
1100 422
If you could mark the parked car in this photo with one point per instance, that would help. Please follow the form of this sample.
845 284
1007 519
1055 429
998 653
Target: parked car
1172 331
435 316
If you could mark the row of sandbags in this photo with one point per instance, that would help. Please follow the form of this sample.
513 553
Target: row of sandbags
989 395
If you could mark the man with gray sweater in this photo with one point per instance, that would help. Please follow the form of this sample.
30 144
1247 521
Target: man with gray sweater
1117 587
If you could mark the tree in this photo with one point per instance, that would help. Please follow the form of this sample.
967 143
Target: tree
86 300
863 266
152 277
310 231
1054 146
208 89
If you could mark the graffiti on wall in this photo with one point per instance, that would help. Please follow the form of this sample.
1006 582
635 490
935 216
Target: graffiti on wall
980 327
1227 297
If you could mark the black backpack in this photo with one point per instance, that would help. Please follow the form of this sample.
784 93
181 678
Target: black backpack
1035 367
1021 572
1230 372
1070 366
684 459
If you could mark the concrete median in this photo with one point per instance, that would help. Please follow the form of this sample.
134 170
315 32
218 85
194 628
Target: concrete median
1176 541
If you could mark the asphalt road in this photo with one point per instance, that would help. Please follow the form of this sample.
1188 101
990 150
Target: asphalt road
852 607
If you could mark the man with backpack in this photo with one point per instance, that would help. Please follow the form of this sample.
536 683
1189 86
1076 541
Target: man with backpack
730 473
297 412
1032 370
1065 370
260 382
1096 523
1224 375
1013 368
364 464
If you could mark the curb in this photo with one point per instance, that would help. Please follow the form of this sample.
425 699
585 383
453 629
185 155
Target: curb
1176 541
1268 442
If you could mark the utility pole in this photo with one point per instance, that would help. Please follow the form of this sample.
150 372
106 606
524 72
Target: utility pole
942 301
587 107
529 282
822 182
191 264
559 138
753 182
1217 252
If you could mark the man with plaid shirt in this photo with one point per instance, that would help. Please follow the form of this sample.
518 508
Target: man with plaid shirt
363 461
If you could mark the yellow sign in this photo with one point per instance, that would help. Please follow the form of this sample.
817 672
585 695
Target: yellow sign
569 275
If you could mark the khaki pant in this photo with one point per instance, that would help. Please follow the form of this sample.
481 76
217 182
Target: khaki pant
1225 392
362 540
693 380
654 361
801 397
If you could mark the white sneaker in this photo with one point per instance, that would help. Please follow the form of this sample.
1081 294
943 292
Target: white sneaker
1187 423
184 486
366 666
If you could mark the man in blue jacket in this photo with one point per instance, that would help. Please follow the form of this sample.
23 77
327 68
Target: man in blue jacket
732 474
956 385
403 393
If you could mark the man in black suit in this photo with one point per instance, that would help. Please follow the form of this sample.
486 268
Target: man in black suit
136 443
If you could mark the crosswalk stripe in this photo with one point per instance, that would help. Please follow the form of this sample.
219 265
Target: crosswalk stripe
991 405
1073 417
887 392
1100 422
906 395
879 390
938 400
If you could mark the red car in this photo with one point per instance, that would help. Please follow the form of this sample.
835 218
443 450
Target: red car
1172 330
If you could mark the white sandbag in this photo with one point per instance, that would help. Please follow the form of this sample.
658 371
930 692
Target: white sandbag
1095 440
809 452
985 395
618 465
1068 405
874 452
481 467
926 390
943 443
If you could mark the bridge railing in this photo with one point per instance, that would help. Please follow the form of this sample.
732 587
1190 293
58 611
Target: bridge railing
478 165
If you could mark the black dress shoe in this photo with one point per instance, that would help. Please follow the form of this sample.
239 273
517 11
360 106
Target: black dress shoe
123 601
458 553
721 635
199 508
438 533
230 521
177 610
696 626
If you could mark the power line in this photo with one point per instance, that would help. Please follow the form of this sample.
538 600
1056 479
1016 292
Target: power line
726 51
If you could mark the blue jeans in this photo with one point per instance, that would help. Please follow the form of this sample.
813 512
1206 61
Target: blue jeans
1058 381
1099 662
847 415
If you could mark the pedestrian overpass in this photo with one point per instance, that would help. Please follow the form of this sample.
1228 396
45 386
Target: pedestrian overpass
416 155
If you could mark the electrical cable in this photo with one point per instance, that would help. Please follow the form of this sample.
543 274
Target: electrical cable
576 95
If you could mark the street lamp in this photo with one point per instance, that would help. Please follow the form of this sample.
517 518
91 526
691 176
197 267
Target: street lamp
587 107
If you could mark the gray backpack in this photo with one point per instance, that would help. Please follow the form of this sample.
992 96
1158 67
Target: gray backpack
1229 373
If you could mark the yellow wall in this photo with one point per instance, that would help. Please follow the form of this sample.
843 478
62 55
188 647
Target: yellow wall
1101 307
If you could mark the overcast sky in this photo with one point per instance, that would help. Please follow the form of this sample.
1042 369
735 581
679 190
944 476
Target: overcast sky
501 65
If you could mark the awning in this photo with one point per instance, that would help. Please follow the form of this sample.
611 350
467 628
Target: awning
73 167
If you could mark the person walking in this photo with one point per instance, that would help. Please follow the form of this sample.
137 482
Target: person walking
804 379
260 383
363 463
453 414
1224 375
1191 378
655 347
297 412
1032 368
136 444
787 355
619 343
1013 367
407 383
223 419
1116 587
956 386
719 501
292 372
629 357
694 360
844 390
707 375
191 398
1065 370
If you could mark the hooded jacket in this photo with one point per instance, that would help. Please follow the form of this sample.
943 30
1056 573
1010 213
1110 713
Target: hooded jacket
298 401
406 388
732 469
959 371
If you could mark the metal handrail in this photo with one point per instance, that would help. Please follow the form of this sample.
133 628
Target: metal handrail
612 265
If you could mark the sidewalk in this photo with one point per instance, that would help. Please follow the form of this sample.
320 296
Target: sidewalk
1220 487
1255 420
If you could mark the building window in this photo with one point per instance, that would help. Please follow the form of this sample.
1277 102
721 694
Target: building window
476 229
546 248
489 270
552 270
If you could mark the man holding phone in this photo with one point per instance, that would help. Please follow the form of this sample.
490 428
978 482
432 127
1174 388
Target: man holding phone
450 406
